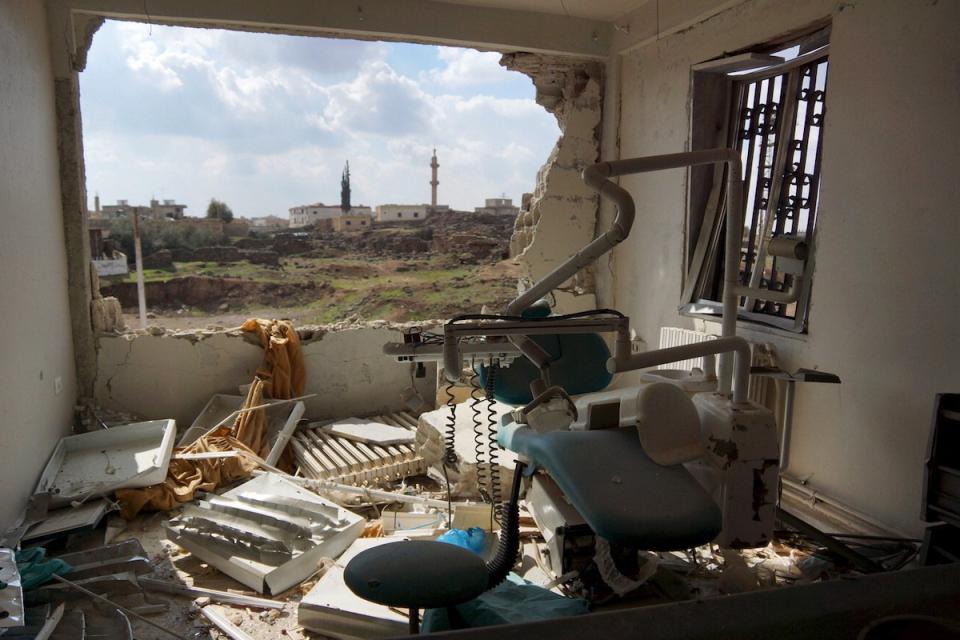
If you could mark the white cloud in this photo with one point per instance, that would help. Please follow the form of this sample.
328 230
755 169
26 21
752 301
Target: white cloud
265 122
161 59
378 101
465 67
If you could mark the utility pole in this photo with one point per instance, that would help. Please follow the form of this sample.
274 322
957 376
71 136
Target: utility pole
141 289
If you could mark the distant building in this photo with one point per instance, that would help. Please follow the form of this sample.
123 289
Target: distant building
308 214
269 221
352 222
500 206
166 210
407 212
107 259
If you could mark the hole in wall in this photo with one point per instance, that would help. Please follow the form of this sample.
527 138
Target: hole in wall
219 140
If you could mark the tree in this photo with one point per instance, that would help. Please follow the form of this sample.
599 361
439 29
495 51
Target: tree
219 210
345 188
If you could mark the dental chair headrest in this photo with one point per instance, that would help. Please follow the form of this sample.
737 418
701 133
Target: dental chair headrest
668 424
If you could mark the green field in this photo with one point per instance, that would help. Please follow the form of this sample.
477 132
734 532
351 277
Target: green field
430 287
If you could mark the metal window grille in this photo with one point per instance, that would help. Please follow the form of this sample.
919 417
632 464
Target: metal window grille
776 123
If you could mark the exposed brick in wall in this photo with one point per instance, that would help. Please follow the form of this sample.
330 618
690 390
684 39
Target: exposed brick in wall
562 212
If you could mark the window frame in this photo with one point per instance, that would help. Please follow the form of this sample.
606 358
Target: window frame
708 222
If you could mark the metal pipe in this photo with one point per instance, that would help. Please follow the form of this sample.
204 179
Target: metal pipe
840 512
153 584
710 366
224 625
321 486
138 253
780 297
136 615
619 229
732 344
452 332
861 562
432 352
597 176
787 425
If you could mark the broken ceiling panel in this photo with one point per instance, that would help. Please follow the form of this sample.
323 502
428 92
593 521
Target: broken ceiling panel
333 610
99 462
282 420
370 432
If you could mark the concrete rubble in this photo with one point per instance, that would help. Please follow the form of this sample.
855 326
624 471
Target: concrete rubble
264 556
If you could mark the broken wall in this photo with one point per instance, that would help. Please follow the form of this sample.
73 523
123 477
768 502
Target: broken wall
562 214
885 290
37 366
174 375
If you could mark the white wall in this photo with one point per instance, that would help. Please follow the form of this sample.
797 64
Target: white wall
33 287
173 377
886 292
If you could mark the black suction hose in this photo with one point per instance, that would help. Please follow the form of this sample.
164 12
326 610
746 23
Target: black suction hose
499 567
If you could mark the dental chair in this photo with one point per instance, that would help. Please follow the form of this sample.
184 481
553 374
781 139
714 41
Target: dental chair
648 468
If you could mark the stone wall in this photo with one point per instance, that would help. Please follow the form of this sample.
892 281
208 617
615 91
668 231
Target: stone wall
174 375
560 217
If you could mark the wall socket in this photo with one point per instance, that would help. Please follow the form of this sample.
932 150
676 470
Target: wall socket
58 385
637 346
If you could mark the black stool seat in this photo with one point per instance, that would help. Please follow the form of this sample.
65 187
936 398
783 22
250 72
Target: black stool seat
417 574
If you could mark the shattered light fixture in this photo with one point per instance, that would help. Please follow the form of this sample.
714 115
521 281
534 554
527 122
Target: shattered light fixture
268 533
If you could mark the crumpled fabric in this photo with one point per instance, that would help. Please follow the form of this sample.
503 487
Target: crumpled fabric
35 569
281 375
282 370
513 601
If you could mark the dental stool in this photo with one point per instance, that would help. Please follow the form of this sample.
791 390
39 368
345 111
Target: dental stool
427 574
418 574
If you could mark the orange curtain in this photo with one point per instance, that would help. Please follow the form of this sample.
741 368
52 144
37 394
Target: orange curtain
282 376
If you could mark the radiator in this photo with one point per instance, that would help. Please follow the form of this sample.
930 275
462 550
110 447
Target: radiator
761 390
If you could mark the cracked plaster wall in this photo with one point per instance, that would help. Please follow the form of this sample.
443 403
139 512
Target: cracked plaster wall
562 213
174 375
885 290
38 349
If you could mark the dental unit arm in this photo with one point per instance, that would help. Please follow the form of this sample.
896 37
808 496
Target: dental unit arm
672 471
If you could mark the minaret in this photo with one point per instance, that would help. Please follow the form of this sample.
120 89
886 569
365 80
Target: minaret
434 182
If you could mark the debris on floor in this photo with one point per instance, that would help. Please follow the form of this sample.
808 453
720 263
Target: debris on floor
471 475
98 463
326 454
332 609
268 533
261 511
282 417
370 432
11 591
70 519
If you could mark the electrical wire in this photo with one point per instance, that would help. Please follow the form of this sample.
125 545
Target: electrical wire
449 448
568 316
477 396
495 492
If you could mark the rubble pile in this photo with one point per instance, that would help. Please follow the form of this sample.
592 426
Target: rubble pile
208 292
250 520
472 237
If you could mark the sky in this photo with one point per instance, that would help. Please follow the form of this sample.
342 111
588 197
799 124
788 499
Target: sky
265 122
